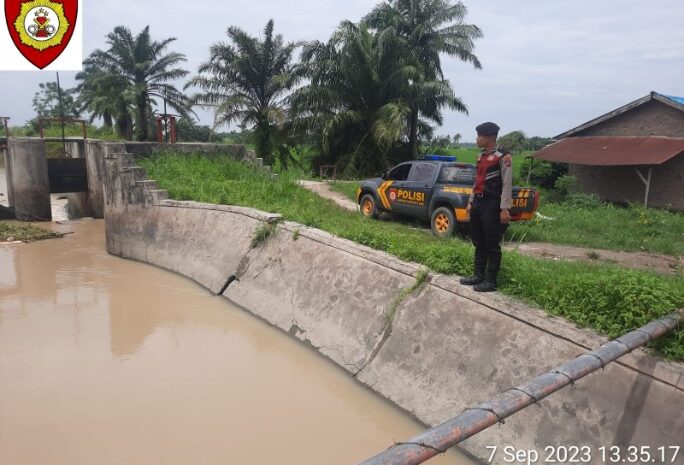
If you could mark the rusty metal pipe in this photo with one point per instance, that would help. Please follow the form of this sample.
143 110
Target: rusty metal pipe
440 438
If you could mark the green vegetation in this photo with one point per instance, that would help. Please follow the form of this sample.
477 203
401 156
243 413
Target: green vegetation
421 31
46 101
582 221
403 294
16 231
263 233
362 100
607 298
247 81
54 129
346 188
606 226
122 82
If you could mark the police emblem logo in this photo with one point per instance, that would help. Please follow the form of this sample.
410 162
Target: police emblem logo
41 29
393 194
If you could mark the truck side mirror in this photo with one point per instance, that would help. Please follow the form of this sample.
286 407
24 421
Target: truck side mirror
384 176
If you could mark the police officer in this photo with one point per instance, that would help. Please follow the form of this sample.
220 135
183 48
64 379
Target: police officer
489 208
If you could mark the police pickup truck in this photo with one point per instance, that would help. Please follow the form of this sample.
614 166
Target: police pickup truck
435 188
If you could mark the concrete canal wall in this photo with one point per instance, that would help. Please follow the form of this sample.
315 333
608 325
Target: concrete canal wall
426 343
28 188
28 172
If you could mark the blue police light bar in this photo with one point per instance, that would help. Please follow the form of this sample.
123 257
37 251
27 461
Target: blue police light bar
439 158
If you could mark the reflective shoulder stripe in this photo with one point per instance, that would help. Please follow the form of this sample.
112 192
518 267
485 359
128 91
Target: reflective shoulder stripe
493 174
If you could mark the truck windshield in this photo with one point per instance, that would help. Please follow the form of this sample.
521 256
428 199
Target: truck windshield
459 174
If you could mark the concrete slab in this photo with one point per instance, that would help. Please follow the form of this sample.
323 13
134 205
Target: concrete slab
447 353
333 300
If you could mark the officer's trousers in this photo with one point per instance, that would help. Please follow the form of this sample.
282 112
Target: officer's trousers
486 232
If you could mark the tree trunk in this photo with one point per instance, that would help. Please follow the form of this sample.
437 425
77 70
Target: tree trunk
262 142
413 137
142 118
107 118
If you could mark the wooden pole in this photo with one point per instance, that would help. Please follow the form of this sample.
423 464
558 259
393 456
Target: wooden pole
647 182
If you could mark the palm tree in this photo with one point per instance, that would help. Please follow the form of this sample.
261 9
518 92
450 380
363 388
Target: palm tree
428 28
147 70
247 81
353 100
106 96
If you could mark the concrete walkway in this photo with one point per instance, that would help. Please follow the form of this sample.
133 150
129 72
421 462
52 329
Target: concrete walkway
662 264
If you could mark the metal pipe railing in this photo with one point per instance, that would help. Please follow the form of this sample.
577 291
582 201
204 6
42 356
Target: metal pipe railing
440 438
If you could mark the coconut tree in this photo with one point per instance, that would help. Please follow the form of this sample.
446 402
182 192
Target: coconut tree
428 28
247 82
148 70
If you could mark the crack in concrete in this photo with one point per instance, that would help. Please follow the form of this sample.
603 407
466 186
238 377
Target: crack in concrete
298 332
228 283
404 294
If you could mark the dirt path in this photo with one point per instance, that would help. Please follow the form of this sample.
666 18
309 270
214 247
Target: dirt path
663 264
324 190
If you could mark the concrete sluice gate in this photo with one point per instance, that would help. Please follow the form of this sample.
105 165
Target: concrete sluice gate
437 352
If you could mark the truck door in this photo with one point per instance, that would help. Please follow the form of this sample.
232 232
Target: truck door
418 189
395 182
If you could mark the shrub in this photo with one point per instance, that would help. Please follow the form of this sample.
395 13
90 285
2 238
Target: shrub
544 173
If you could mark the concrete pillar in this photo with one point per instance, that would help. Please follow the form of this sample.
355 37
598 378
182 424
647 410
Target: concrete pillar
27 180
4 179
78 205
95 153
75 148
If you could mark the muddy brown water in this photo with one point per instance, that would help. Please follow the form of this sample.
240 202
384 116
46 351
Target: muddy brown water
109 361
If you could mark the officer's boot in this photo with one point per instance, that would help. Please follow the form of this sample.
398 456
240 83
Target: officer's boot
488 284
475 279
480 267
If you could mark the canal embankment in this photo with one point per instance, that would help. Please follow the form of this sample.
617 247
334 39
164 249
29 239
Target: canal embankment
419 339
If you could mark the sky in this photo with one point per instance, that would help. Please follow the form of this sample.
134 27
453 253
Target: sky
548 66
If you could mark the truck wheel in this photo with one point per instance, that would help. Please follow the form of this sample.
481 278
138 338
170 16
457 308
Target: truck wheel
443 222
368 207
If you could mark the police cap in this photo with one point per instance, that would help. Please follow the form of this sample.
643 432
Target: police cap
487 129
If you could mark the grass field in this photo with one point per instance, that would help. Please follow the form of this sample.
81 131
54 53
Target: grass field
602 226
632 229
609 299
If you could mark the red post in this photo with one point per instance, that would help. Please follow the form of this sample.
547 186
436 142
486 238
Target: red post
173 129
160 136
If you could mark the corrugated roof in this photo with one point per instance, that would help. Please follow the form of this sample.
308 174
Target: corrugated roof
674 98
613 151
